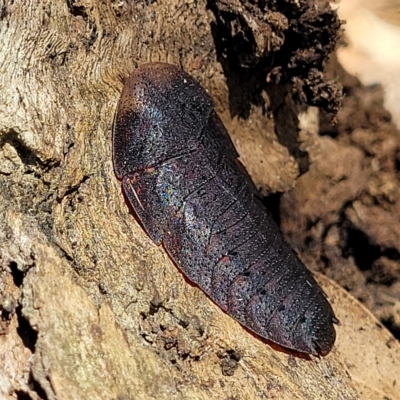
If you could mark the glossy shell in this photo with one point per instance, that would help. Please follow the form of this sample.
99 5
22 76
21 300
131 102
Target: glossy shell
181 174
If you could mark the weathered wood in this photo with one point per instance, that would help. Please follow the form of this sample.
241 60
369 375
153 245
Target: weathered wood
95 309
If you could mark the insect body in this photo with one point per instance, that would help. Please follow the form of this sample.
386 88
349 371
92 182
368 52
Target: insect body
181 174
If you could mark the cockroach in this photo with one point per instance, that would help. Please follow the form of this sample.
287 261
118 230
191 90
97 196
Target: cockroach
181 174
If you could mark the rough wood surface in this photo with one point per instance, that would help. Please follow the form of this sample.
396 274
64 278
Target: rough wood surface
91 308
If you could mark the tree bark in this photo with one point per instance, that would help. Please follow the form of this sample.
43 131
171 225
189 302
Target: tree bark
91 308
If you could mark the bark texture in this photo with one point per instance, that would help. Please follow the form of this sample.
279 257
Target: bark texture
90 307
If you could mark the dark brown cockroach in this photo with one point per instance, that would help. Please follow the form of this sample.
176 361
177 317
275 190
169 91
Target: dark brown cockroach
181 174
